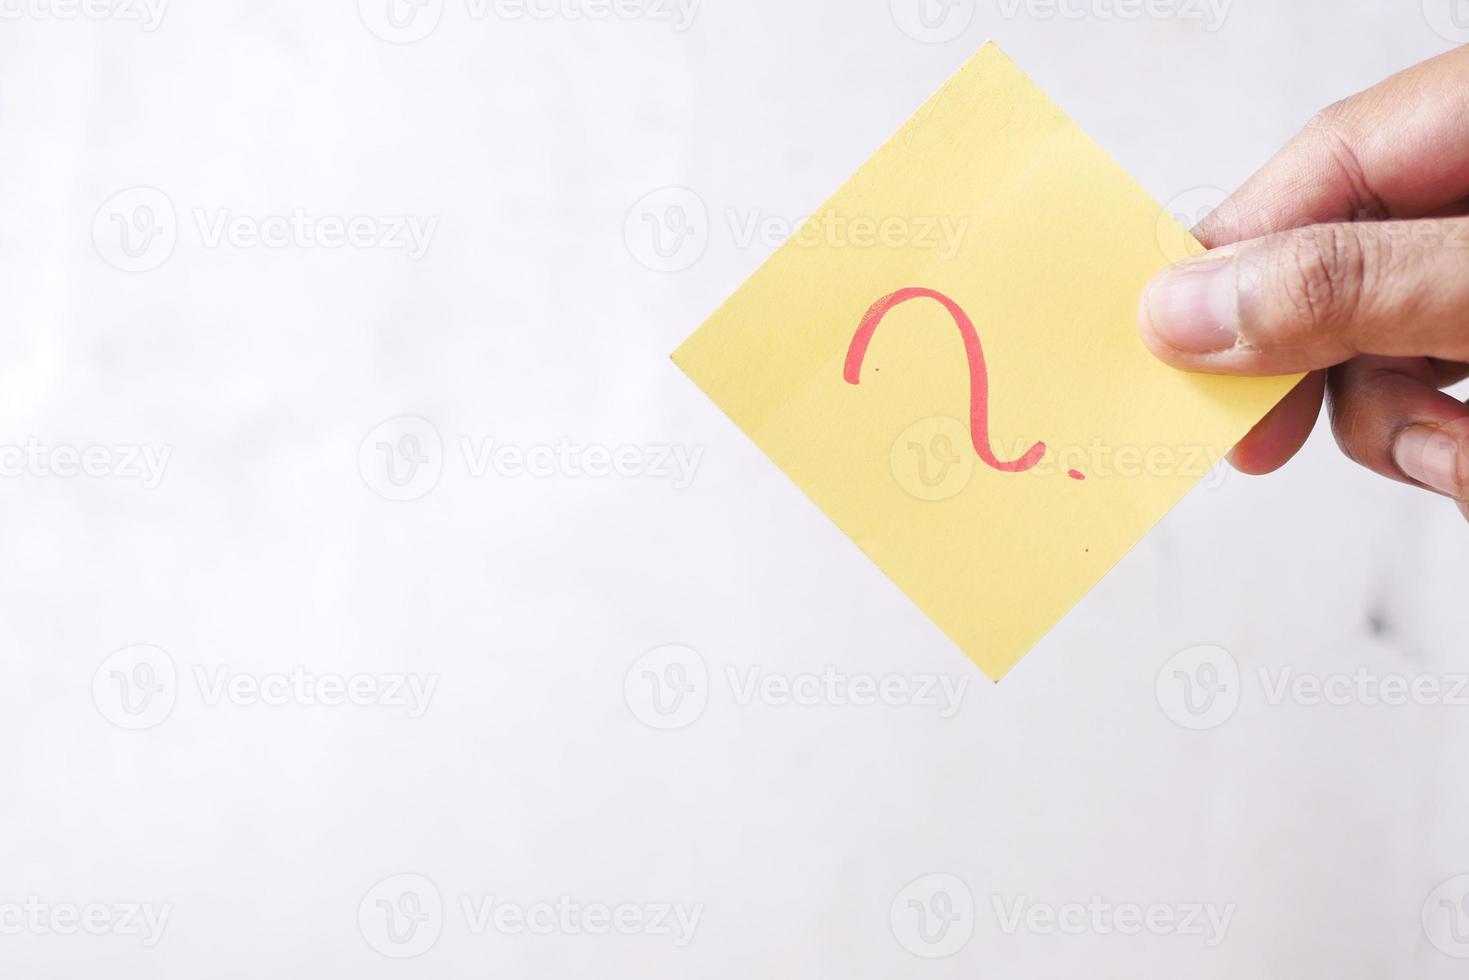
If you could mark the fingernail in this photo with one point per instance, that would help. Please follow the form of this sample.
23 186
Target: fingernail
1194 306
1433 458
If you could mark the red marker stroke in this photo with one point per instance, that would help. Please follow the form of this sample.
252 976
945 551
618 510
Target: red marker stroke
979 385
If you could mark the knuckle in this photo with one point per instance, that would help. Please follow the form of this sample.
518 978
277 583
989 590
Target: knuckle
1333 117
1355 418
1321 275
1334 133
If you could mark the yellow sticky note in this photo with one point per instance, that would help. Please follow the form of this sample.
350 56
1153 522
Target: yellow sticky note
945 358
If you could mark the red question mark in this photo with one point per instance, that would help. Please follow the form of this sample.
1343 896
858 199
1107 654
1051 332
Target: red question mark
979 386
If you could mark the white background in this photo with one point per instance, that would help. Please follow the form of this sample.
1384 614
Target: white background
265 830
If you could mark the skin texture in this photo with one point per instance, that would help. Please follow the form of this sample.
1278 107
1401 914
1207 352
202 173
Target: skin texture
1347 256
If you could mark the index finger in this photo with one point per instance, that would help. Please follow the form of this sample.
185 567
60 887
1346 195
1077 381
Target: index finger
1398 150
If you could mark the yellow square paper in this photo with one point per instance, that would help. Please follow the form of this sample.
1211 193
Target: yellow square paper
945 358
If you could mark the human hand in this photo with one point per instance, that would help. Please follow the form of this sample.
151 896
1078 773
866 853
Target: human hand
1346 256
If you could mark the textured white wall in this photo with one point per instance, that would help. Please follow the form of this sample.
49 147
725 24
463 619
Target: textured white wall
266 831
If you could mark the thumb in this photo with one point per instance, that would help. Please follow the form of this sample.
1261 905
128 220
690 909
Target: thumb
1315 297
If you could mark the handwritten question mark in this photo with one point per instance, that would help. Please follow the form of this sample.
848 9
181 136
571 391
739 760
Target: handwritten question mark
979 385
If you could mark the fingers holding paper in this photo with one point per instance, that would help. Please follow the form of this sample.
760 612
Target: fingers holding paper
1383 305
1276 438
1315 297
1320 273
1398 150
